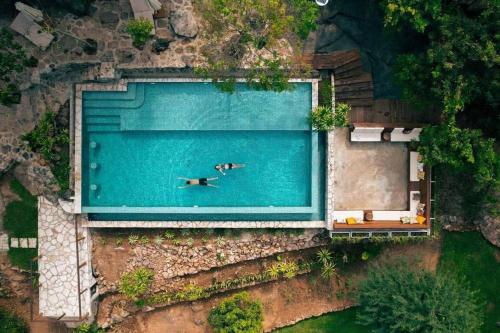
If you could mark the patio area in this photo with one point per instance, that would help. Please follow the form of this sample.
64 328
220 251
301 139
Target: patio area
370 175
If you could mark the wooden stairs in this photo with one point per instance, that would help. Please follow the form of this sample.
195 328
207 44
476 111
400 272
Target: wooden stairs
354 86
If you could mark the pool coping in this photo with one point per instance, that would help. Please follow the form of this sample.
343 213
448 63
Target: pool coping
121 85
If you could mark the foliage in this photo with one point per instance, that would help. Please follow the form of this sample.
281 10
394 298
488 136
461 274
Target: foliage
469 255
464 151
236 27
136 283
399 298
168 234
21 220
51 141
11 323
324 255
343 322
13 60
158 240
305 14
322 118
415 12
88 328
140 31
325 92
341 115
237 313
454 67
133 239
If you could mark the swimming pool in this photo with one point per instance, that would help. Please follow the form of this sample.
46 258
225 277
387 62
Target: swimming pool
137 143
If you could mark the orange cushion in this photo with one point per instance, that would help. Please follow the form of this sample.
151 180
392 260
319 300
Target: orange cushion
420 219
350 220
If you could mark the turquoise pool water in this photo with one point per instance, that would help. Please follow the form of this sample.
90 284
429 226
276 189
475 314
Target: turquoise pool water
137 143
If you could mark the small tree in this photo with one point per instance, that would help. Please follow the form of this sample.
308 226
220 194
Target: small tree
398 298
11 323
136 283
140 31
237 314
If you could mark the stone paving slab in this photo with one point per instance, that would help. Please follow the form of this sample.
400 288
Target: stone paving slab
32 242
14 242
4 242
23 243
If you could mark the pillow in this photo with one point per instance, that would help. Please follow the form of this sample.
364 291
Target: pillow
420 219
351 220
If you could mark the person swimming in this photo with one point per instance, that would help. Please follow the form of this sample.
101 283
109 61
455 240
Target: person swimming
228 166
197 181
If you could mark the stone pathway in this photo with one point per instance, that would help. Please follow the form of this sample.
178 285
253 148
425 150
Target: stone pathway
24 243
57 264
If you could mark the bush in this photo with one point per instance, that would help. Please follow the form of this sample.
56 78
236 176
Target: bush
11 323
50 140
136 283
140 31
237 313
341 115
88 328
398 298
306 13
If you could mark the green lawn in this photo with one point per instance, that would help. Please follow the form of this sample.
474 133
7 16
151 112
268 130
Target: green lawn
469 255
335 322
465 254
21 220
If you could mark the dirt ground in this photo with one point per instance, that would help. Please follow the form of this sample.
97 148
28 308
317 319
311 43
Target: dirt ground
285 302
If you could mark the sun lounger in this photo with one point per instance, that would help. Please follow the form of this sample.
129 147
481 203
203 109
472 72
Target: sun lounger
367 134
32 31
397 135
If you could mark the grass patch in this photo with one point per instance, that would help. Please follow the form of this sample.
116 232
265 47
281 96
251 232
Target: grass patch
469 255
21 220
338 322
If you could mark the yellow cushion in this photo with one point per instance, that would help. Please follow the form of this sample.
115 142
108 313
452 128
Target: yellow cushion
420 219
350 220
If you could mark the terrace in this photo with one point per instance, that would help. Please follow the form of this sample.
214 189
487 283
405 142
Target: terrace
378 185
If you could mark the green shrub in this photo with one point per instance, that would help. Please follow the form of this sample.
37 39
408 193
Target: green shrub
140 31
236 314
399 298
52 142
88 328
341 115
322 118
305 13
11 323
136 283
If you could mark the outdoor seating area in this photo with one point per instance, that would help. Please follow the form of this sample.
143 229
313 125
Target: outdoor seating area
26 24
379 185
365 132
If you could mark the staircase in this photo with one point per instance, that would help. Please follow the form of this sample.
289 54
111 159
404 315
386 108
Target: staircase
353 85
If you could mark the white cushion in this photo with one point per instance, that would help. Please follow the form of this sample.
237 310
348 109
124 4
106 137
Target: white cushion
367 134
397 135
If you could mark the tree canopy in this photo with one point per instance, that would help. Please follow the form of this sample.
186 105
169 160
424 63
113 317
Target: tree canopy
237 314
399 298
454 66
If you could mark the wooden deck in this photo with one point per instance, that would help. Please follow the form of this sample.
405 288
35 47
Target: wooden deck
354 86
380 225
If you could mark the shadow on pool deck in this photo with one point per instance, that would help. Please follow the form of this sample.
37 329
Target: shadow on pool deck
370 175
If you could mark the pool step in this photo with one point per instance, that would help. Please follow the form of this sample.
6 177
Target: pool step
129 94
111 102
102 120
103 128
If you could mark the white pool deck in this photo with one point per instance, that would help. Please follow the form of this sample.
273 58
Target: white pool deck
121 85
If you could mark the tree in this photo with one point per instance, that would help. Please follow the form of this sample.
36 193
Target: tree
399 298
454 67
248 34
237 314
13 60
136 283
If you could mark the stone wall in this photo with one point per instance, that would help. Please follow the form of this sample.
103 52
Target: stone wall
169 261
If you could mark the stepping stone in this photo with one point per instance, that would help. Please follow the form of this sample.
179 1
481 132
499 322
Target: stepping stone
32 243
23 243
4 242
14 242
